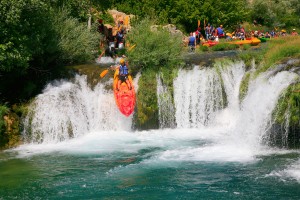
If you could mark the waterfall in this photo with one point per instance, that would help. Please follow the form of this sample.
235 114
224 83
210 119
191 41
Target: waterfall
197 97
232 74
203 98
68 109
255 118
199 100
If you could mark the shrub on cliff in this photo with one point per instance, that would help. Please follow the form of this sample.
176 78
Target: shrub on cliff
155 47
75 42
3 139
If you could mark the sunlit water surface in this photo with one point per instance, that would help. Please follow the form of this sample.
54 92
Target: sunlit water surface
87 149
162 164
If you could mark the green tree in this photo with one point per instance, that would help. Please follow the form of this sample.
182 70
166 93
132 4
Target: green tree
185 14
35 39
276 13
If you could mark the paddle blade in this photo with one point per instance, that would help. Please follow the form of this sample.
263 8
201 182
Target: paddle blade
132 47
103 73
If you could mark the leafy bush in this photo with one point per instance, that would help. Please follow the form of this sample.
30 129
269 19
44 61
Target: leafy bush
203 48
276 13
76 43
3 110
154 48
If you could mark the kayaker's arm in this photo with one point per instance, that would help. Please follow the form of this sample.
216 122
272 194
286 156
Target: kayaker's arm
114 67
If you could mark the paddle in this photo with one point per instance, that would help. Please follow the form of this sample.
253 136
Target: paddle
132 47
102 74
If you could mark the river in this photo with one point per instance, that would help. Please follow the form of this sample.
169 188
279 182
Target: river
78 146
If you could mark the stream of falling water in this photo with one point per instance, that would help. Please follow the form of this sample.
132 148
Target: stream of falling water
80 147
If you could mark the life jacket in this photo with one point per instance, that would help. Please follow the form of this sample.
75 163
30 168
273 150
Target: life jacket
220 31
123 70
120 36
192 41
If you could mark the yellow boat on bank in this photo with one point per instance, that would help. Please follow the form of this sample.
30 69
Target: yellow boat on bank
251 41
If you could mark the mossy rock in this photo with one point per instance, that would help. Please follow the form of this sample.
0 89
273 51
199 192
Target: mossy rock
244 86
10 134
286 118
92 71
289 105
146 115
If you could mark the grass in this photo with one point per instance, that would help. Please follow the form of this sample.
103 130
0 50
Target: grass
278 49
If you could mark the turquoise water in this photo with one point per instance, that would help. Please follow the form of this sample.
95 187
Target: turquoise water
149 165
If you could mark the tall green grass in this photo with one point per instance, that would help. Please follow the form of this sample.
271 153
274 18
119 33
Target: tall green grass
278 49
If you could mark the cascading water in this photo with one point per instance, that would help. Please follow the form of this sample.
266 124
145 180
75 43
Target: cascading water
232 74
66 110
197 97
203 97
216 151
256 113
199 100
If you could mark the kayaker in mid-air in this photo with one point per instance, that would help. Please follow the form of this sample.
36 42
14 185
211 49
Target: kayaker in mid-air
123 73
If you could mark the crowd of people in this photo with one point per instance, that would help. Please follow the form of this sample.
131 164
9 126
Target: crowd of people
211 33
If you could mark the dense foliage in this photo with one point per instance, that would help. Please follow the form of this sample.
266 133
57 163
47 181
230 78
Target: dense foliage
275 13
155 46
3 111
185 14
35 39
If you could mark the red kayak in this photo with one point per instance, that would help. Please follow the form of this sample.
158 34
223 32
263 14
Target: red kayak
125 98
210 43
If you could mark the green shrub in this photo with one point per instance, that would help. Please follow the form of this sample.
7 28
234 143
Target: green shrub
154 48
3 111
107 18
121 52
204 48
75 42
224 47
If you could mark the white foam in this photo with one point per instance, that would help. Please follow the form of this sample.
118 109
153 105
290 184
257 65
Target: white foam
106 60
205 130
71 109
291 172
